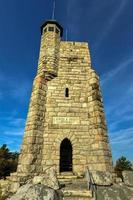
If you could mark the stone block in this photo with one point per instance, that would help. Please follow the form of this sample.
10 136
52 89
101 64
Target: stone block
48 178
14 187
37 191
128 178
4 186
118 180
100 178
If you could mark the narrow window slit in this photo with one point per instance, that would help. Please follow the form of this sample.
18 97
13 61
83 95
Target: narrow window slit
67 92
45 30
51 28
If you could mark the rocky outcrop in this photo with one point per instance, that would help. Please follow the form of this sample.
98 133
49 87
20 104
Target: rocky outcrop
99 178
4 188
36 192
115 192
128 178
106 189
49 178
46 186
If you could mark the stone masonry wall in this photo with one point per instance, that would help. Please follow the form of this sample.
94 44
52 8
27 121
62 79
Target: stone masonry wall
49 53
31 150
52 116
30 157
79 117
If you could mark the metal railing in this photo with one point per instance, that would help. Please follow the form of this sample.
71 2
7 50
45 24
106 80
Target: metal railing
91 184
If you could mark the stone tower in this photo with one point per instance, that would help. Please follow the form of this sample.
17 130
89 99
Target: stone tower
65 125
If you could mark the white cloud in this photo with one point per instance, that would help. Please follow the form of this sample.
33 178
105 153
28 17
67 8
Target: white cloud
13 142
123 136
122 109
111 22
111 74
14 132
17 122
119 106
119 120
15 88
12 126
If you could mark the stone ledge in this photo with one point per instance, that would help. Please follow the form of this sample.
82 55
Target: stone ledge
77 193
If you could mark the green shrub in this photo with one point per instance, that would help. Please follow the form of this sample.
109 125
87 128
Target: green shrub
122 164
8 161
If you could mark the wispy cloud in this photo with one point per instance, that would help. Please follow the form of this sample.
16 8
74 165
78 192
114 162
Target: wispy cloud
13 142
12 130
110 23
14 88
122 143
118 88
111 74
17 122
122 108
13 126
123 136
117 120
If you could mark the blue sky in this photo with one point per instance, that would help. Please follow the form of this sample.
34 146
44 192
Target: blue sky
108 28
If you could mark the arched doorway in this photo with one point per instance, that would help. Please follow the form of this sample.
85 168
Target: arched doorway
65 156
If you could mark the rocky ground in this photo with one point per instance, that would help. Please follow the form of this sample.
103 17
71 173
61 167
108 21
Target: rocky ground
41 192
36 192
40 188
115 192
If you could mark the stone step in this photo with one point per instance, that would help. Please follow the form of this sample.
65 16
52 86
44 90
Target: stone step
68 176
77 194
78 198
72 181
66 173
67 179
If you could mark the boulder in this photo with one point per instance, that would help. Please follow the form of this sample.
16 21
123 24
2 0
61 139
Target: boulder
4 187
48 178
100 178
14 187
35 192
115 192
118 180
128 178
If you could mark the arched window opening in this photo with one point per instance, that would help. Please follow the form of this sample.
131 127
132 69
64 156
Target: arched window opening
66 92
65 156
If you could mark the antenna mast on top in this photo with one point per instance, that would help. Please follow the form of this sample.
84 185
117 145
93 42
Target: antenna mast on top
66 34
53 14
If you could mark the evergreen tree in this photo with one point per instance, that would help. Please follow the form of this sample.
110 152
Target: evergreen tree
8 161
122 164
